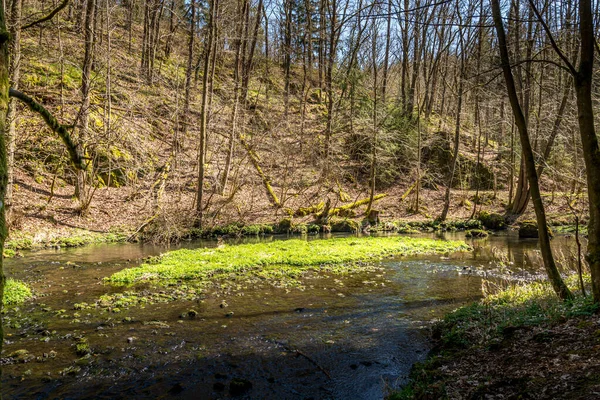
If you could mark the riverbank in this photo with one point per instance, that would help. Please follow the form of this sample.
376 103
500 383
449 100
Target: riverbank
79 335
519 343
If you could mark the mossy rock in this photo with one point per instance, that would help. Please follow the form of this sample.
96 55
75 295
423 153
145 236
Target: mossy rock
344 225
405 228
529 229
492 221
476 234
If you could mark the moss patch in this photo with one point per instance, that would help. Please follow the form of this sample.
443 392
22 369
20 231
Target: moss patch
277 259
476 234
16 292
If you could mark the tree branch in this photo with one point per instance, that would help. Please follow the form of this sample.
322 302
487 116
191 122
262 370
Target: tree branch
62 130
551 38
47 17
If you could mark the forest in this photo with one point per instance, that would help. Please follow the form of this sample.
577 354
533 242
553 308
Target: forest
340 198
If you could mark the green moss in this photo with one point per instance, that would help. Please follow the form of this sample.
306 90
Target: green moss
344 225
9 253
281 258
492 220
16 292
19 243
476 233
529 229
304 211
82 347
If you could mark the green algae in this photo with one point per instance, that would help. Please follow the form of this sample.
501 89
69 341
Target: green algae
279 259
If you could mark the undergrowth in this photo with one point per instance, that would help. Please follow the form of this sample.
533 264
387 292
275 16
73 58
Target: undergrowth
487 323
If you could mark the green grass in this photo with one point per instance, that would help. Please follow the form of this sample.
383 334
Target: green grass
278 259
530 304
16 292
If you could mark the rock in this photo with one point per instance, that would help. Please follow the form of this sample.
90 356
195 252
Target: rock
344 225
21 355
492 221
529 229
239 387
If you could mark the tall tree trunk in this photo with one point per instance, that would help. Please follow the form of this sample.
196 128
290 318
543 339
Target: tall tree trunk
386 59
461 85
86 93
4 85
589 139
553 274
188 79
204 112
374 118
11 119
237 72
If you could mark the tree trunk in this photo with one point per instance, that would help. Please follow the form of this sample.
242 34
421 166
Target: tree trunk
553 274
203 114
589 139
11 118
86 93
4 84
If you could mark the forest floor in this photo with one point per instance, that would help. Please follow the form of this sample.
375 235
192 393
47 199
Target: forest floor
43 216
523 346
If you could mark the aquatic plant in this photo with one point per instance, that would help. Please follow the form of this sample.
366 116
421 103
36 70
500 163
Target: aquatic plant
16 292
290 257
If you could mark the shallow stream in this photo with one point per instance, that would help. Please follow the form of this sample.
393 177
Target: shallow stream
346 337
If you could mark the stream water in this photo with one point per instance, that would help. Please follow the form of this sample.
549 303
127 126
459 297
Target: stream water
350 337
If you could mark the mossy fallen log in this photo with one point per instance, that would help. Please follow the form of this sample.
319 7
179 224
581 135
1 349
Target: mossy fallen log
266 181
356 204
304 211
